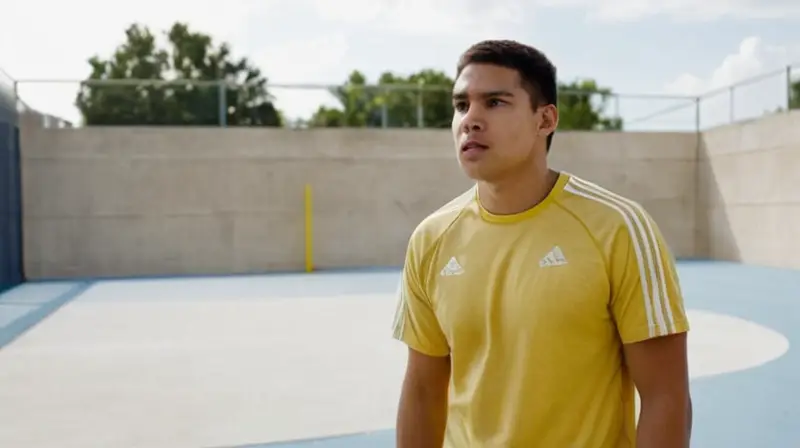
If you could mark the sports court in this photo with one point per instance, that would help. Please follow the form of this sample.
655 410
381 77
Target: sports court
307 360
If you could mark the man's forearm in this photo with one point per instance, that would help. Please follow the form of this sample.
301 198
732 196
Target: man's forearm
665 423
421 419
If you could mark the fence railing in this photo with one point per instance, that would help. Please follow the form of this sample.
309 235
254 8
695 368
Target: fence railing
219 103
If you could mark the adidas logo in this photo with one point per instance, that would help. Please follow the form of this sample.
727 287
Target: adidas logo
451 268
553 258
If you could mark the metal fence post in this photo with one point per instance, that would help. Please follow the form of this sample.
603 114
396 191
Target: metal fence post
420 105
732 113
697 113
788 88
222 88
385 108
17 99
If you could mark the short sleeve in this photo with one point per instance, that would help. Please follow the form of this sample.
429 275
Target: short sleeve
415 322
646 297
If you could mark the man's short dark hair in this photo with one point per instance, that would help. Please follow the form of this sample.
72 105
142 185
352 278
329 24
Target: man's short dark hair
537 73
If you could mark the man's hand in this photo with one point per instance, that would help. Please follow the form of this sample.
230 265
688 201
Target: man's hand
422 414
659 369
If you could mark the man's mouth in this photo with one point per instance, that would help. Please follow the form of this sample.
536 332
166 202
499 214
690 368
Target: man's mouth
472 145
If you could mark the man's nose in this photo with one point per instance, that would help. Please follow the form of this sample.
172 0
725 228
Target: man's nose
472 121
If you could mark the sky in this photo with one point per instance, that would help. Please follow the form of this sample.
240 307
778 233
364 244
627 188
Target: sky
667 47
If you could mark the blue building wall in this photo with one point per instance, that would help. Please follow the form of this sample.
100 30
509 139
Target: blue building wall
10 192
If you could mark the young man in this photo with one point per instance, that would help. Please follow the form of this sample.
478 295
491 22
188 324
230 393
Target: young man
535 302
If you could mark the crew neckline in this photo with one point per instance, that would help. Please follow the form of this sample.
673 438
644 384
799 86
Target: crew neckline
561 182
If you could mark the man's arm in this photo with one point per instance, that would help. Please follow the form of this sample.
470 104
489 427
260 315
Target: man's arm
647 305
422 413
659 369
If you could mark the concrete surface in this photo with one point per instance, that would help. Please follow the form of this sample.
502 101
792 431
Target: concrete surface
749 190
137 201
144 201
212 362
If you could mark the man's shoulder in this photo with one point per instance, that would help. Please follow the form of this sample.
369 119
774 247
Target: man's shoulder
616 222
435 225
601 209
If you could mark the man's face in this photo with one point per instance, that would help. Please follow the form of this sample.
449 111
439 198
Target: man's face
494 127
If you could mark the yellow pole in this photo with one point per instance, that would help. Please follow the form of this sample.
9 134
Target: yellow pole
309 215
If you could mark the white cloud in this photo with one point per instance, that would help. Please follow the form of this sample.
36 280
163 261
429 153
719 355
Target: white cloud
627 10
349 11
746 62
423 17
53 35
753 59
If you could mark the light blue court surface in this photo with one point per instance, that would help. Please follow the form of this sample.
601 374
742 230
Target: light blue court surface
743 351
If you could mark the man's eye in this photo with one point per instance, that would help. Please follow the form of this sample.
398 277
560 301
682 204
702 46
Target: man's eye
460 106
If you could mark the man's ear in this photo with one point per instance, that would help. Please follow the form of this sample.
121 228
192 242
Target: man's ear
549 121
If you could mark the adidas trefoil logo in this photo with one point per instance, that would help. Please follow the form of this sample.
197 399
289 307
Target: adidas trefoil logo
553 258
452 268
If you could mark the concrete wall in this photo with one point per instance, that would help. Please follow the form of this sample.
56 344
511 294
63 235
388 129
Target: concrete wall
139 201
749 193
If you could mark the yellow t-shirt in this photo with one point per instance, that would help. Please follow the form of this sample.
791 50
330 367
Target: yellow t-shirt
533 308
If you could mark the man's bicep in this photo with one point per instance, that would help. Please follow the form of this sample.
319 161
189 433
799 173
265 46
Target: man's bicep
415 321
646 301
658 366
433 370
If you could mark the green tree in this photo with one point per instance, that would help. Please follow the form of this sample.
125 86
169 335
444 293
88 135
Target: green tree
581 106
360 105
794 95
581 103
190 56
422 98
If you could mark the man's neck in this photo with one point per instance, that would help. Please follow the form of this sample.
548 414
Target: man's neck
517 193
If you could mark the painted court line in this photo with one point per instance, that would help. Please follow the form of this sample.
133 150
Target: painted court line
337 441
24 322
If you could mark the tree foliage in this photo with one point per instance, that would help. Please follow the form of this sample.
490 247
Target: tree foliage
582 104
190 56
794 95
185 91
395 99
